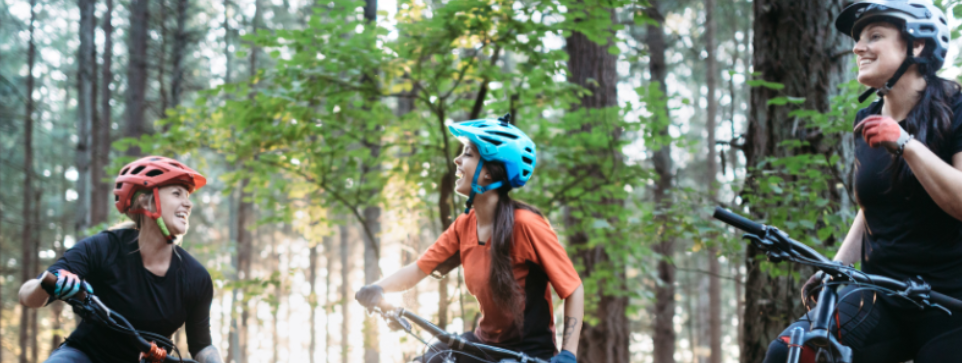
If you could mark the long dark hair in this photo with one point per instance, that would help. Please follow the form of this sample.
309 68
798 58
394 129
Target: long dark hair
931 123
505 290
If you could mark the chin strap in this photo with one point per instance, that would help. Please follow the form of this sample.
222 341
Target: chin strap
156 216
881 92
477 189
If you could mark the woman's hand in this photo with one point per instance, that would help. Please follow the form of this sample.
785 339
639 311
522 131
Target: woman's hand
369 296
883 131
68 285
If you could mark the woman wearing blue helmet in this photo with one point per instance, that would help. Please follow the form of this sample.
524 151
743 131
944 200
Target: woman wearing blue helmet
509 251
908 184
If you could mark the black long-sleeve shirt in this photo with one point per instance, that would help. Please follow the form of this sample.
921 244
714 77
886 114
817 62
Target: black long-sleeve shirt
111 263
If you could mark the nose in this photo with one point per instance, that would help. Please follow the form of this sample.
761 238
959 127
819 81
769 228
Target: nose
188 203
859 47
457 160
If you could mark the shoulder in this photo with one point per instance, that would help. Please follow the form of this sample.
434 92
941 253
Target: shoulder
529 222
194 268
956 111
108 240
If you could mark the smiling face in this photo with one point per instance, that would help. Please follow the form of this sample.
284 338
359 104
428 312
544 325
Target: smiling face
175 208
466 163
880 51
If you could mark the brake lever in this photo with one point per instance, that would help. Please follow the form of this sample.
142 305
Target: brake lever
920 290
768 246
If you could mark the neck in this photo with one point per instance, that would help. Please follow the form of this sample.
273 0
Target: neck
485 205
152 243
904 96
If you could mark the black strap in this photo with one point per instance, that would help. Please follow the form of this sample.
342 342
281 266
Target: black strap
909 60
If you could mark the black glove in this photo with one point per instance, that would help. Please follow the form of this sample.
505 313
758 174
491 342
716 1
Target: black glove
369 296
812 287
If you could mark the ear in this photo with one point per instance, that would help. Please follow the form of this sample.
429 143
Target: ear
917 47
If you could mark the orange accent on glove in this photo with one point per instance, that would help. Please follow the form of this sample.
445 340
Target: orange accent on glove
882 131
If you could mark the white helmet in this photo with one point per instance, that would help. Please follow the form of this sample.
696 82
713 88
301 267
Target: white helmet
918 19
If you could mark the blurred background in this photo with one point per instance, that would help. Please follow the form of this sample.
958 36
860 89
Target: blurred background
321 126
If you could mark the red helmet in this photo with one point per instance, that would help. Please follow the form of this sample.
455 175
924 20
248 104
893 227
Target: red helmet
151 172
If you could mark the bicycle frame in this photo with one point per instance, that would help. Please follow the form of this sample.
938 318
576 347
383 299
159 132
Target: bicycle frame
398 320
820 335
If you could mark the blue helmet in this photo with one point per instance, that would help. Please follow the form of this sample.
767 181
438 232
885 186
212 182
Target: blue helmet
498 140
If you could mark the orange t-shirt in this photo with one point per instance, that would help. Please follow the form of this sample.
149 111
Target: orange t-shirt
537 258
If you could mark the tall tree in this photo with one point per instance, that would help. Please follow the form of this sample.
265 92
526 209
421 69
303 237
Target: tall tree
664 331
180 46
312 299
136 72
372 211
592 66
27 232
100 145
86 104
714 283
811 68
345 291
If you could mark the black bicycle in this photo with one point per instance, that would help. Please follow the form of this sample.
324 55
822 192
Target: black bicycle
779 247
90 308
400 319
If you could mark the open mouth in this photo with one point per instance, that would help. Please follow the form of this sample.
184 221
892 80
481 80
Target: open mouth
182 216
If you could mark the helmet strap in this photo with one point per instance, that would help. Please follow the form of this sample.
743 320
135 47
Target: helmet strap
881 92
477 189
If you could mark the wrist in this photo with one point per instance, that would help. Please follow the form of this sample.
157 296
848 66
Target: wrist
911 147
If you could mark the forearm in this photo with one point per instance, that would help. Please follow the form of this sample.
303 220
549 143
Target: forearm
941 181
208 355
403 279
851 250
32 295
574 317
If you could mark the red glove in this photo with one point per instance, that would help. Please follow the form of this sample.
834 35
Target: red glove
883 131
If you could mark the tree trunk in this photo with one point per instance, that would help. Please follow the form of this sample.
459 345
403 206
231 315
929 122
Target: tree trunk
372 212
180 44
161 61
591 66
100 188
806 68
329 299
27 232
136 73
227 52
312 298
245 246
345 292
714 283
86 72
664 332
35 266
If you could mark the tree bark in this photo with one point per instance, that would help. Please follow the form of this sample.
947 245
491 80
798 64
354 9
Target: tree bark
312 298
27 232
794 44
86 71
227 52
328 299
180 45
100 193
591 66
245 247
714 283
345 292
664 332
372 212
161 62
136 73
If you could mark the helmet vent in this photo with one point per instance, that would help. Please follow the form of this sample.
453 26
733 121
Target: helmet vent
525 172
490 140
120 185
116 198
125 171
154 172
942 19
138 170
528 149
481 126
177 165
927 28
504 134
526 160
945 39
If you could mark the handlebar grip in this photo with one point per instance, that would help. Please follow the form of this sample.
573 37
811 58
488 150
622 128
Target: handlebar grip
738 221
947 301
50 282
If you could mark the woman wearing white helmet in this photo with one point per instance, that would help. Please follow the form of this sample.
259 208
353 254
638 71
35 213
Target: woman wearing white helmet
509 251
908 184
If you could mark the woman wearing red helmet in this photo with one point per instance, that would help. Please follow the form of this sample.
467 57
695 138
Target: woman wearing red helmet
138 272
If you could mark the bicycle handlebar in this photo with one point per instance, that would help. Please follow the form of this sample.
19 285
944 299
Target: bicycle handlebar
81 301
399 316
797 249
